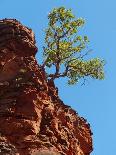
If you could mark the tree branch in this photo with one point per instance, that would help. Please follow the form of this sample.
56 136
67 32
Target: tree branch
55 76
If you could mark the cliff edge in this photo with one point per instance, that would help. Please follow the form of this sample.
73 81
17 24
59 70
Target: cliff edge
33 119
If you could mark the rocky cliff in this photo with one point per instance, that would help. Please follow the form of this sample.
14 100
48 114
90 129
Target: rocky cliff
33 119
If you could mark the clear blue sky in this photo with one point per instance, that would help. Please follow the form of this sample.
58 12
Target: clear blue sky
96 101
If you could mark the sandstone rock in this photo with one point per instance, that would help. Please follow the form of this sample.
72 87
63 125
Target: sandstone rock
33 119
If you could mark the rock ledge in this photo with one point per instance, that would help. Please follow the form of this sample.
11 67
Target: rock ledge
33 119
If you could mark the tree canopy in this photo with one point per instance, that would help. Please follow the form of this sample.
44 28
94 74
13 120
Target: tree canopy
65 49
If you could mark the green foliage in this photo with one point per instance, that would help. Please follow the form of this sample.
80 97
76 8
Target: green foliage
64 47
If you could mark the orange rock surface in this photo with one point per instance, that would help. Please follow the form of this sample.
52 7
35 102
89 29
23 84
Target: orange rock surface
33 119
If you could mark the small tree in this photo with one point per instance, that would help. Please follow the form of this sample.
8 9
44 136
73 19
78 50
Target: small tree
64 48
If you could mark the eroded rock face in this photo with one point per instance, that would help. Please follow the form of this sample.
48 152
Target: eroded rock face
33 119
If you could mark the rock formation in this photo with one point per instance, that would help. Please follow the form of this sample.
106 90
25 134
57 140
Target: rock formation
33 119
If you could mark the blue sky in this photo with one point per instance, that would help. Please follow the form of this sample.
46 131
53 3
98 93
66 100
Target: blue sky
96 101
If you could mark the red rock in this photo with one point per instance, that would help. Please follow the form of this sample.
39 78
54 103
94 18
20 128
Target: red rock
33 119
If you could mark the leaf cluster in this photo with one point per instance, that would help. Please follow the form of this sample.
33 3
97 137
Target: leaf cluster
64 47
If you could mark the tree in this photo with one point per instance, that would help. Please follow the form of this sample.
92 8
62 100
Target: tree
65 49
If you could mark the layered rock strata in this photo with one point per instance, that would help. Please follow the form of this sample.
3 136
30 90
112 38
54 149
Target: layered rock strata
33 119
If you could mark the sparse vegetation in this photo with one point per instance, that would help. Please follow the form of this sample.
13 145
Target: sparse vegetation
65 49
